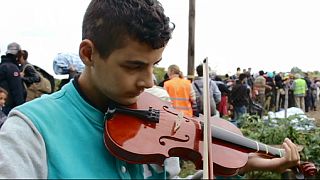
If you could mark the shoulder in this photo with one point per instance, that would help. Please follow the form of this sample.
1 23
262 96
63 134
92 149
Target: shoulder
9 66
187 81
159 92
29 66
46 103
167 82
21 137
156 89
236 87
197 81
213 83
11 70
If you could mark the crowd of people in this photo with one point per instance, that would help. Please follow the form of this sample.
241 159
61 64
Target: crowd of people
16 75
243 92
61 135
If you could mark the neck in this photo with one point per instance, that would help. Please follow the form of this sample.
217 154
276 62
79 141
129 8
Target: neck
92 95
174 75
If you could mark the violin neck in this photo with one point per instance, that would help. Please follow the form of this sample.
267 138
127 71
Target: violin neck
244 144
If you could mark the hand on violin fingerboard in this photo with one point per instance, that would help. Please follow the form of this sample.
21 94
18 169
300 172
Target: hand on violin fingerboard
290 159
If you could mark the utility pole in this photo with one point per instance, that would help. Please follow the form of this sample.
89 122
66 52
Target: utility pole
191 38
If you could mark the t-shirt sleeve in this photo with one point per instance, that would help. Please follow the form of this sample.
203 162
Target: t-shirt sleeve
22 149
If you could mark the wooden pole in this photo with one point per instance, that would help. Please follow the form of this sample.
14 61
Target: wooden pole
286 101
191 38
277 100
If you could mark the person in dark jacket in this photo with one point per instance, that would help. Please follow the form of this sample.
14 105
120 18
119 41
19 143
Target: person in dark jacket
10 78
165 78
28 73
239 97
307 98
225 92
279 82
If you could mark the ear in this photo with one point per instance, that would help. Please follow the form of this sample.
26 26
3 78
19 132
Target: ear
86 52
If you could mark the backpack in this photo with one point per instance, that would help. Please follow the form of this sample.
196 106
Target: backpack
48 76
199 100
37 89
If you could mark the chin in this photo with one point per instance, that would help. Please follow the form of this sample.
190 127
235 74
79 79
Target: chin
129 101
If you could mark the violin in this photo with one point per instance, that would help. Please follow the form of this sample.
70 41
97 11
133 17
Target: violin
150 131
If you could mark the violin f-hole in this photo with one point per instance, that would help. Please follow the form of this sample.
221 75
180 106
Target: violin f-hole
161 139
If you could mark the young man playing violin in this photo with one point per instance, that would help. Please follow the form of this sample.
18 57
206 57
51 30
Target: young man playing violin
61 135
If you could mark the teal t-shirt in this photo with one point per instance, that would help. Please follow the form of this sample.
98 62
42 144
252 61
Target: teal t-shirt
73 133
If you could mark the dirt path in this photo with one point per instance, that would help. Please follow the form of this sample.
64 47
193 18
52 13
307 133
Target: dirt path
315 114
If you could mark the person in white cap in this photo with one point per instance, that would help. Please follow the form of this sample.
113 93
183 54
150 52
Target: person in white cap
10 78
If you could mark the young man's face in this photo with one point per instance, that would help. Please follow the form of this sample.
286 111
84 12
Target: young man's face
124 75
3 98
21 60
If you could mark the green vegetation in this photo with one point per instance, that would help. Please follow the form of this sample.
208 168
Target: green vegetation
159 72
273 134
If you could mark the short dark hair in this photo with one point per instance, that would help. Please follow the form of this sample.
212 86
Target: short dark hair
218 78
199 70
242 76
109 23
24 54
261 72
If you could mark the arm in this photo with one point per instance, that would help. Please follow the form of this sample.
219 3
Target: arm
30 75
192 94
265 84
16 88
293 85
216 92
22 152
256 162
290 159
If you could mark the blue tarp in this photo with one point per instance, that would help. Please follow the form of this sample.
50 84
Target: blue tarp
63 61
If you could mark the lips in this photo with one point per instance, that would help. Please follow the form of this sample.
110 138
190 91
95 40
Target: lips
135 94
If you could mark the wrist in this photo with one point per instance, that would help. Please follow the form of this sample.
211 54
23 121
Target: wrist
279 165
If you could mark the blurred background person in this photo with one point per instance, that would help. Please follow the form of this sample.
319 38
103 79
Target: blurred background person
180 91
3 98
214 92
307 98
222 107
158 91
10 78
299 88
28 73
67 64
239 98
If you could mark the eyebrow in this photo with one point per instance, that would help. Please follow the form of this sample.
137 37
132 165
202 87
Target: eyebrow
140 62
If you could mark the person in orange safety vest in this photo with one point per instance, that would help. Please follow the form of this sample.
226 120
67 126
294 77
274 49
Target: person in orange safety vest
180 90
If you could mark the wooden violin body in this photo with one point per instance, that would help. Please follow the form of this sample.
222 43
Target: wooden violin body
142 140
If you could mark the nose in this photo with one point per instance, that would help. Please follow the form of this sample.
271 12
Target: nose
146 80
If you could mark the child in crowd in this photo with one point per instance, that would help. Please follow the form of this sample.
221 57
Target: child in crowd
3 98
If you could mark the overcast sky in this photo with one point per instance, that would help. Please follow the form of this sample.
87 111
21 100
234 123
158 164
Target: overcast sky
269 35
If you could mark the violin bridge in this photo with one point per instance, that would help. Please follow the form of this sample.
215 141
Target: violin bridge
177 123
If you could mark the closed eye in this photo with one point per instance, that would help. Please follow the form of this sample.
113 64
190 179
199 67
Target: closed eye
132 65
138 65
157 63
